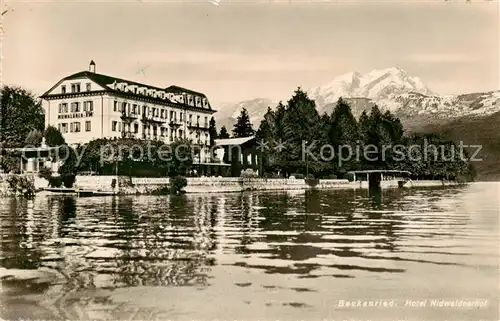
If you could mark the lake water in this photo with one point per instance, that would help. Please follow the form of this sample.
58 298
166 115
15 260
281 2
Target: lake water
301 255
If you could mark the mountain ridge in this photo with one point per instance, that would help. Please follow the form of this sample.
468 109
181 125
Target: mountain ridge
389 88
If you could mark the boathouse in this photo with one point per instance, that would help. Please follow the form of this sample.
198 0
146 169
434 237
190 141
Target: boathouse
237 153
376 178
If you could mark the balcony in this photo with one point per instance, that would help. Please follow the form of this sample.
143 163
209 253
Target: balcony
151 119
175 123
128 117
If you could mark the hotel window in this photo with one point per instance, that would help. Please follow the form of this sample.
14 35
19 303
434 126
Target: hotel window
190 118
64 128
65 107
198 119
89 86
124 107
171 115
136 128
60 108
181 116
113 126
163 113
115 106
63 89
75 88
90 106
206 121
180 133
77 107
76 127
87 126
119 126
134 109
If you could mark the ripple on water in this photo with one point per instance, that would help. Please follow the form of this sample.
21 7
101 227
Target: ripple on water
257 254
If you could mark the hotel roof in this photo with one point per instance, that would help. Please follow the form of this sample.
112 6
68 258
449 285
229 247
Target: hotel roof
233 141
107 81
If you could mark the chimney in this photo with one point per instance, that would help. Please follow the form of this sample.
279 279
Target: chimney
92 66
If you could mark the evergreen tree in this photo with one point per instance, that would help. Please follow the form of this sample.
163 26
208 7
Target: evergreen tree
212 131
265 137
53 137
223 133
344 135
300 125
34 138
243 126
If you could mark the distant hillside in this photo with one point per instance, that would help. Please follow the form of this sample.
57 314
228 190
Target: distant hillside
481 130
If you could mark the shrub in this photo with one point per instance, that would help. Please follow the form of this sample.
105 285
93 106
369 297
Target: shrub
55 181
177 184
165 190
349 177
249 173
11 163
68 180
21 185
45 173
311 181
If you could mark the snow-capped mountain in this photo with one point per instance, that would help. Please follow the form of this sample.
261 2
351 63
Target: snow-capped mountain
227 114
390 89
382 84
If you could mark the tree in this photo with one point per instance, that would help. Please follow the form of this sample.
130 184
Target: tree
34 138
300 125
243 126
212 131
265 136
69 168
20 113
223 133
53 137
181 158
343 135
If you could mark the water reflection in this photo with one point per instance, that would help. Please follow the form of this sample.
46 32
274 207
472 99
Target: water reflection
124 242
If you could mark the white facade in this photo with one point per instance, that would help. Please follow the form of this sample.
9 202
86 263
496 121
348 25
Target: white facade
88 106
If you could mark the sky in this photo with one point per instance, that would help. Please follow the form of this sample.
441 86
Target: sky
239 50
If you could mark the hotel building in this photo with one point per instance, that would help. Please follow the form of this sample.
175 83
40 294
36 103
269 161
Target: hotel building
87 106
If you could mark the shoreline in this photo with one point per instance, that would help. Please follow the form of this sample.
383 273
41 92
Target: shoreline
196 185
103 185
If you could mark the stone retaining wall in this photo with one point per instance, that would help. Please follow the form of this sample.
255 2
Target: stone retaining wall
95 182
138 185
